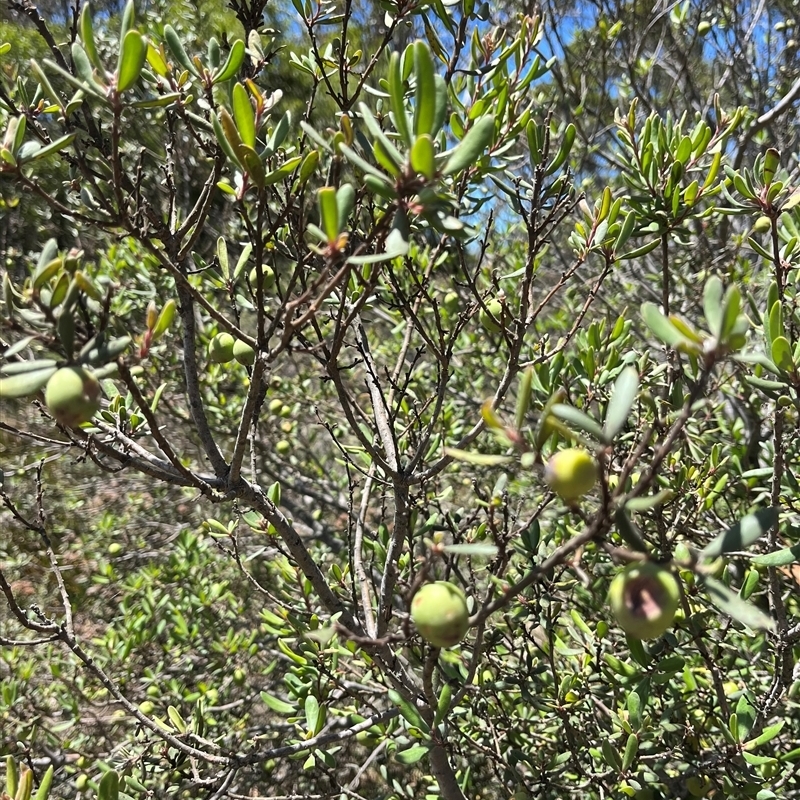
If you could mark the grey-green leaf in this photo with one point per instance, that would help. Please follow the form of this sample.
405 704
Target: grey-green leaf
621 402
743 533
471 147
733 605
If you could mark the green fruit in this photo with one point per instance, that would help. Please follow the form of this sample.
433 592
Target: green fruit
439 611
644 599
220 348
73 396
451 302
496 309
267 277
114 549
275 406
243 353
571 473
283 447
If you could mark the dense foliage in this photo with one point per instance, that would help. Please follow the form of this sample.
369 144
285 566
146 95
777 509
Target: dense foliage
299 304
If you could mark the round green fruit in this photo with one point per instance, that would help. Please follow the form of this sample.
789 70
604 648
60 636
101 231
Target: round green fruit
451 302
267 277
220 348
494 308
644 599
283 447
439 611
243 353
73 396
571 473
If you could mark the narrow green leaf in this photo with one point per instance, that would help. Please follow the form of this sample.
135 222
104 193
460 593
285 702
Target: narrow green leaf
25 383
312 713
579 419
279 133
284 171
364 165
712 305
631 750
481 459
731 604
626 388
396 94
412 755
778 558
44 786
478 550
767 735
87 36
175 46
471 147
628 531
425 95
232 63
345 202
244 115
277 705
741 535
328 213
664 330
164 319
132 55
408 711
54 147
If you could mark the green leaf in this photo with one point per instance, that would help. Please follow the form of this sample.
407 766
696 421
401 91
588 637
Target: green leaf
412 755
108 789
284 171
628 531
328 213
767 735
477 549
564 150
25 383
741 535
44 786
626 388
665 330
631 750
471 147
244 115
345 201
164 319
277 705
650 501
176 48
425 95
731 604
52 147
778 558
423 156
396 95
279 133
712 305
781 353
232 63
408 711
481 459
312 713
578 419
132 55
399 239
